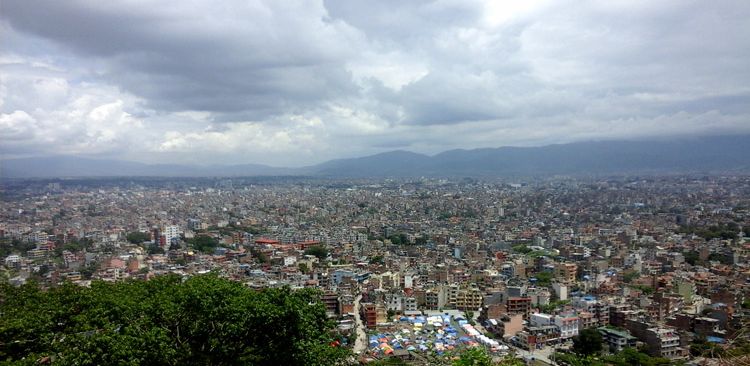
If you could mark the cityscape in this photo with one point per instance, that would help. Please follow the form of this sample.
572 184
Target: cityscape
419 269
350 182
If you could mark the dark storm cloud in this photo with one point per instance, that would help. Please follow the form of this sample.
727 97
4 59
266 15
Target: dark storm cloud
261 61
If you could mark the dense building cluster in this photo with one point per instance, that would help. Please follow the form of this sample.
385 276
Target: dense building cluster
428 265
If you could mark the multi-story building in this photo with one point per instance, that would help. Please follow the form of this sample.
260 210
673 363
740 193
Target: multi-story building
568 325
518 305
468 299
435 298
170 232
617 339
664 342
566 272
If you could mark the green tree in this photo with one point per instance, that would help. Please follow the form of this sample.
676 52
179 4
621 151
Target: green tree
543 278
469 315
204 243
259 256
691 257
629 276
155 249
390 361
520 248
399 239
205 320
474 357
137 237
319 251
303 268
587 342
630 356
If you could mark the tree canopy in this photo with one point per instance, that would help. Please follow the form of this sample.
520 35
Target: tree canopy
587 342
204 243
479 357
319 251
138 237
204 320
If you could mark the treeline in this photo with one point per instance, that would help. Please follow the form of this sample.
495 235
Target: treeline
204 320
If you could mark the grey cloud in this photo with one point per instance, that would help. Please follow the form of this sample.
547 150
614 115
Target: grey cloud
264 64
558 73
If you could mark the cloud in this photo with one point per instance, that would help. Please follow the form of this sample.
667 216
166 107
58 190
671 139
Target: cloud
294 83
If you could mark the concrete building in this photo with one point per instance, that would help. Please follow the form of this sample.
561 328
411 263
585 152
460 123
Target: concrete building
616 339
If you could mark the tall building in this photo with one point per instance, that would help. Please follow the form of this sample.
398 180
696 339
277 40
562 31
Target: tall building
171 232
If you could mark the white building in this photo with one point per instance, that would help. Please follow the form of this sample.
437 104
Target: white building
171 232
568 325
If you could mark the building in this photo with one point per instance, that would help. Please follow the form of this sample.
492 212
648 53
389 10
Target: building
171 232
468 299
568 325
331 301
373 314
566 272
664 342
505 326
617 339
518 305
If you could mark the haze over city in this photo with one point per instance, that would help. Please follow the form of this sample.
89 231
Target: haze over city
298 83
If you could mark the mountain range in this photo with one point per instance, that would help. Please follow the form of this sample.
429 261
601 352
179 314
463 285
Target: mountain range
720 154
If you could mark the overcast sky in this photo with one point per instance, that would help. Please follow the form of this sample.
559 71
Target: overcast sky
292 83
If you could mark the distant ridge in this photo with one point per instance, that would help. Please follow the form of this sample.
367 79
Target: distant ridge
73 166
696 155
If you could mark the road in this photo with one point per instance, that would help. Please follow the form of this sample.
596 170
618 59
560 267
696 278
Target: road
542 355
361 342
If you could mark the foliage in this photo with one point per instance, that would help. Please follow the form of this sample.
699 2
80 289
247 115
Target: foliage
155 249
137 237
520 248
727 231
691 257
543 278
630 356
390 361
479 357
14 246
399 239
377 259
718 257
258 255
587 342
647 290
88 271
629 276
303 268
552 306
204 243
572 359
474 357
205 320
319 251
626 357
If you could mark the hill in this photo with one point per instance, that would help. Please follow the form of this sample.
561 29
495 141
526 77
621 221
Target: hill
722 154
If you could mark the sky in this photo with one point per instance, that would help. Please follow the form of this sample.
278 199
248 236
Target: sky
292 83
